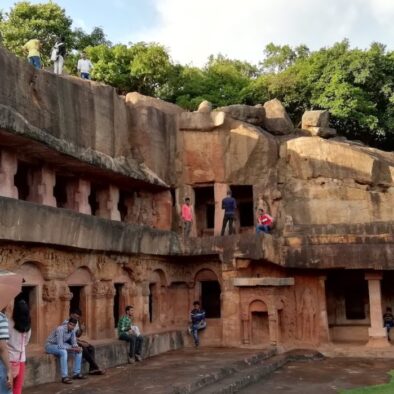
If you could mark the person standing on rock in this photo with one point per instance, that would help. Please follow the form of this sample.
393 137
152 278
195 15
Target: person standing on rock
187 217
264 222
130 333
229 205
32 48
57 56
84 66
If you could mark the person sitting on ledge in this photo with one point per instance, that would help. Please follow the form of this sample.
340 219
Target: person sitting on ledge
88 350
264 222
61 342
130 333
388 320
197 317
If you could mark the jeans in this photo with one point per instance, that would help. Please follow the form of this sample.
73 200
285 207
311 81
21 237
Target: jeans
228 217
85 75
35 61
58 65
194 328
262 228
187 226
63 356
3 380
135 343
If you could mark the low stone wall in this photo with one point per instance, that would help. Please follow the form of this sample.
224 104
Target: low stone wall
44 368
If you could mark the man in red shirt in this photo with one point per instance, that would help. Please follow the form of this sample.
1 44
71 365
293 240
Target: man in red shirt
187 217
264 222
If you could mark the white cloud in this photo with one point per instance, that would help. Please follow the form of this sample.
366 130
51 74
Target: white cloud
192 30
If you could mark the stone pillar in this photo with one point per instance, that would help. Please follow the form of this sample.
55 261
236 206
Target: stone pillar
377 333
220 191
108 200
245 328
8 168
273 317
163 210
102 309
230 305
78 193
41 184
324 331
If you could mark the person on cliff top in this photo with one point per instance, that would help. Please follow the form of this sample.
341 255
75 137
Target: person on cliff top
197 322
264 222
32 48
187 217
84 66
388 320
20 332
62 342
58 54
88 350
229 205
129 332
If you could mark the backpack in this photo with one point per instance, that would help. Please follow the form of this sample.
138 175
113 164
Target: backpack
54 53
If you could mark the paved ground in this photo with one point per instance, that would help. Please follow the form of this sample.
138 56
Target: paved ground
156 375
159 375
324 377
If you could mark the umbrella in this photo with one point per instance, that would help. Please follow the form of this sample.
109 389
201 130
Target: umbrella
10 287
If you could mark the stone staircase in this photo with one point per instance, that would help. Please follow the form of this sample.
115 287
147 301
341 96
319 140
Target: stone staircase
235 377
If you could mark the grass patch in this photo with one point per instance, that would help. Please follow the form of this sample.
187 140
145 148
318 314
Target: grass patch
387 388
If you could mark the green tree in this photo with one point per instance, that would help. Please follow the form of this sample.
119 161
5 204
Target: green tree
140 67
83 40
44 21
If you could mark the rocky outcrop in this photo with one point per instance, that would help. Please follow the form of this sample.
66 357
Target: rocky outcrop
317 123
205 106
328 182
201 121
245 113
139 100
277 121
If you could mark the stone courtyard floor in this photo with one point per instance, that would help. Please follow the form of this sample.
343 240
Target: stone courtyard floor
177 372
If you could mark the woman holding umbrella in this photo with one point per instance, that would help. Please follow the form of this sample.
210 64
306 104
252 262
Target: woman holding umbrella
10 286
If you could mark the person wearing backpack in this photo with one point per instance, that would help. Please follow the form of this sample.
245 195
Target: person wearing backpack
57 55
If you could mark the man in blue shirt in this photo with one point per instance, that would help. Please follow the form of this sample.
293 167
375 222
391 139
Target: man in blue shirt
61 342
197 317
229 205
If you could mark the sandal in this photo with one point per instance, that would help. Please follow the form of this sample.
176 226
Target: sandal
97 372
79 376
67 380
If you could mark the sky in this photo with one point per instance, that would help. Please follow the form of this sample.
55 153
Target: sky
194 29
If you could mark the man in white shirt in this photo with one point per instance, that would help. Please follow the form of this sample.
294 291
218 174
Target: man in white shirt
84 66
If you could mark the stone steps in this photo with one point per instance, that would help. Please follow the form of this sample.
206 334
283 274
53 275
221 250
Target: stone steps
237 376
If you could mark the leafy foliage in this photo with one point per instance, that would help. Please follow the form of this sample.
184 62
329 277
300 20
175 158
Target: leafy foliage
356 86
25 21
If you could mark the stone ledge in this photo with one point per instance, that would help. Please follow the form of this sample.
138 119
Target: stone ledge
252 282
43 368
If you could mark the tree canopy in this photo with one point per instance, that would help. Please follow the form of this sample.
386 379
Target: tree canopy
355 85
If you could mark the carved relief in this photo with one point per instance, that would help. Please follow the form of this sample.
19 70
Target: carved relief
49 292
307 316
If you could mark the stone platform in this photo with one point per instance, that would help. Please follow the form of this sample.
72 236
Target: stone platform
43 368
189 370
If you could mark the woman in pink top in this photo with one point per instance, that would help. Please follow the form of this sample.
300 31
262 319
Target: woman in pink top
20 331
187 217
